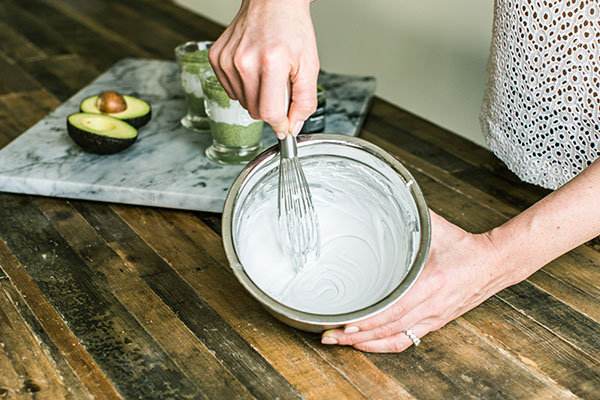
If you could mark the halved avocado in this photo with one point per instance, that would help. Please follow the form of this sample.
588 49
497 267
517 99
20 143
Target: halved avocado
137 113
100 134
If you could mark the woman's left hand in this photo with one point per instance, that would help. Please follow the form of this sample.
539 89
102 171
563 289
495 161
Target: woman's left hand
462 271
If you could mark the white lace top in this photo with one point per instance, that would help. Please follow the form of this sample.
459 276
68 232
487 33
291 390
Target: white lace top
541 108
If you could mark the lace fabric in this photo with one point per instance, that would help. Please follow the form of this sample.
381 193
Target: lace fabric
541 108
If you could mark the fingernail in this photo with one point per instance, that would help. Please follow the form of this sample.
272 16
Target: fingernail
328 340
280 135
297 128
351 329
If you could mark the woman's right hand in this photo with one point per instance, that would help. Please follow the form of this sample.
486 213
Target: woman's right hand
269 44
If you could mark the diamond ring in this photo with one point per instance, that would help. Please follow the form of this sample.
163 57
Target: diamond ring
412 337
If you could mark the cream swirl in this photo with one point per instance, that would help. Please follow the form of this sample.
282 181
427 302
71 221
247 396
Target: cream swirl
366 234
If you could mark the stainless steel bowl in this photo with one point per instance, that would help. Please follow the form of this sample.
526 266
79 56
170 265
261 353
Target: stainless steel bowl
344 147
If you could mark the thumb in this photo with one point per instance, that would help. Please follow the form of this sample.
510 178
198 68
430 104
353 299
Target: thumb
281 127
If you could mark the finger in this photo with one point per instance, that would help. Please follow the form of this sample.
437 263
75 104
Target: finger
246 66
227 62
272 102
413 299
393 344
348 336
220 57
214 56
304 98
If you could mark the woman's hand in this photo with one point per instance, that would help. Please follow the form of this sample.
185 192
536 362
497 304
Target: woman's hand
268 45
462 270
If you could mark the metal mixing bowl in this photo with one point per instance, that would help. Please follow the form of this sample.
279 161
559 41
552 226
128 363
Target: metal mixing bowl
345 147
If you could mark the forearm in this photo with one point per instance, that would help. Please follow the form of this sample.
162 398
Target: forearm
554 225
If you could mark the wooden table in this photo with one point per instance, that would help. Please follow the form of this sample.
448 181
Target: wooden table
112 301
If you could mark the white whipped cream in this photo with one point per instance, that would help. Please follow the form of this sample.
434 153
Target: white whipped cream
234 115
192 84
366 234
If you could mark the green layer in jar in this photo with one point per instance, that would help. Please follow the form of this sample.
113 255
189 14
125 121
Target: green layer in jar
231 135
215 92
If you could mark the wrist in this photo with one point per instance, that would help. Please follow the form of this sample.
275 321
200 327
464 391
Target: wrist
503 268
514 259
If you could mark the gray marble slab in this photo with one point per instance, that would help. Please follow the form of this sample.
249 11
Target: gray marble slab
166 167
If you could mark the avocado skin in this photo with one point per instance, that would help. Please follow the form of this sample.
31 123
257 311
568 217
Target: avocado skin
140 121
98 144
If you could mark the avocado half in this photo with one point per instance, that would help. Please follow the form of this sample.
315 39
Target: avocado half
137 113
99 133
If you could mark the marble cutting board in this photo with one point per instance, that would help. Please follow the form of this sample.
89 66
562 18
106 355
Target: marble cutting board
166 167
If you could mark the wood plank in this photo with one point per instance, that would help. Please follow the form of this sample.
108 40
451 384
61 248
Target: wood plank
95 26
13 78
176 18
521 195
195 251
33 365
247 365
131 23
357 368
436 155
577 298
19 111
195 360
10 382
581 332
454 362
62 75
440 175
580 269
550 357
431 133
18 48
34 29
71 381
134 363
98 49
57 330
481 169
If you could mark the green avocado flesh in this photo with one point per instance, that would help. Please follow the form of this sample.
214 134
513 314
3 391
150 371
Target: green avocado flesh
137 113
101 134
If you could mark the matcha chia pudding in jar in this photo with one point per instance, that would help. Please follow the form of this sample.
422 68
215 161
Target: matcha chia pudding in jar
192 58
235 135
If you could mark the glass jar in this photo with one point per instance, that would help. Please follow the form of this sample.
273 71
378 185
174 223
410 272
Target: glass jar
192 58
235 135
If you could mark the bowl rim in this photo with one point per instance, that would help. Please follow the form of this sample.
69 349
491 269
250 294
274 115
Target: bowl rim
327 319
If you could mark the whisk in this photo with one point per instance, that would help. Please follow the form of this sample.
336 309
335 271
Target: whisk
298 223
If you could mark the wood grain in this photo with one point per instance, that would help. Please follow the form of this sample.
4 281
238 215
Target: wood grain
114 301
193 357
297 362
57 333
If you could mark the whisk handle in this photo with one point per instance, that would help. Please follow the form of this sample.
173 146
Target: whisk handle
287 147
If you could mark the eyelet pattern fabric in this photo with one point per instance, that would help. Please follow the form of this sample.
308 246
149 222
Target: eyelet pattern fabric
541 108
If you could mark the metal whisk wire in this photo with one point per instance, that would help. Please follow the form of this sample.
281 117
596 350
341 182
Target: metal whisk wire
298 222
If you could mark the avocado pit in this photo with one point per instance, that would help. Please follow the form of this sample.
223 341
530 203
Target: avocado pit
110 101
